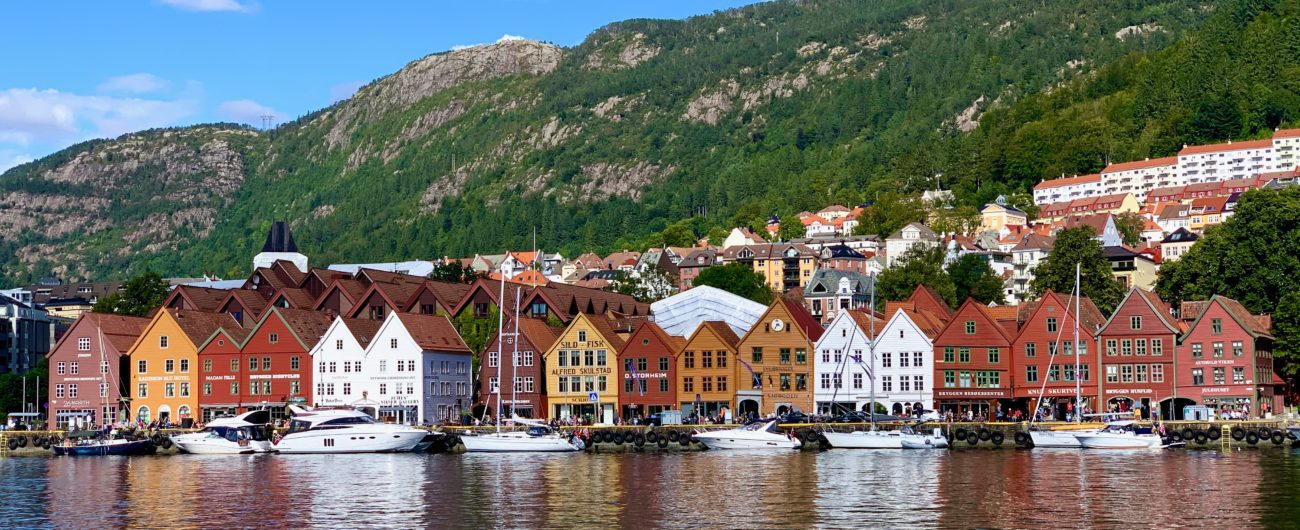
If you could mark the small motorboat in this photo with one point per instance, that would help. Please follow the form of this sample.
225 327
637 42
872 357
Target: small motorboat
758 435
918 440
865 439
92 443
539 438
1120 435
1058 439
242 434
348 431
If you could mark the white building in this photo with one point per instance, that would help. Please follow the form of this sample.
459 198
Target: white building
1286 143
1226 161
1139 177
905 363
279 246
1067 189
914 234
336 363
841 366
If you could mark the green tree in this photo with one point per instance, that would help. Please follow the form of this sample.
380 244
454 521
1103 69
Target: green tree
889 212
716 236
920 266
962 220
1130 226
1056 272
679 234
973 278
138 296
453 271
791 228
738 279
1286 331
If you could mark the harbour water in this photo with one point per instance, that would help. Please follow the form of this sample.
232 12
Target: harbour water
733 489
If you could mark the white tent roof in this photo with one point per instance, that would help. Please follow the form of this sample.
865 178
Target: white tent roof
415 268
682 313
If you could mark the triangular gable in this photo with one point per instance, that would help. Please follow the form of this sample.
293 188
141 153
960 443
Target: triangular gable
650 330
1226 303
925 297
973 310
782 309
1161 315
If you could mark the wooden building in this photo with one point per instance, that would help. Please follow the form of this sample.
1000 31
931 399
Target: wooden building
1048 328
580 375
1225 361
88 373
724 374
778 351
647 372
972 363
1138 348
528 398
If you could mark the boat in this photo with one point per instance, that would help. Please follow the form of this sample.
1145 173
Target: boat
539 438
348 431
918 440
1059 439
1294 430
904 438
1121 435
242 434
757 435
1064 439
92 443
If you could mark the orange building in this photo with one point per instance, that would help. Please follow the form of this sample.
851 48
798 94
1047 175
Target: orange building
776 351
707 372
164 364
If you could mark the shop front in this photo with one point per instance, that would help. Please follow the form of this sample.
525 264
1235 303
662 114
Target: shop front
979 404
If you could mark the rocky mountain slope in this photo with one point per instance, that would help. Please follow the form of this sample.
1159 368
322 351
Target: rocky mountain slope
739 114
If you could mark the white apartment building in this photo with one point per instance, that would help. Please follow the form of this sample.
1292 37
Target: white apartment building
1139 177
1226 161
840 369
904 365
1067 189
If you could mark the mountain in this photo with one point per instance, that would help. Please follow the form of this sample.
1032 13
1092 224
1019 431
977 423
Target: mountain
720 119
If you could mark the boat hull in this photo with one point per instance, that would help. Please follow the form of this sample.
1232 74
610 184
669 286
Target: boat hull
215 445
126 448
864 440
723 442
512 443
351 441
1057 439
1105 441
924 442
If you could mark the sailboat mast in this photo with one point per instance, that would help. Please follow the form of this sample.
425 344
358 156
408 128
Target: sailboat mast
1078 384
501 324
514 357
871 349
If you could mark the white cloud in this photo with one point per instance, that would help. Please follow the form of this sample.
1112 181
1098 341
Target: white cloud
210 5
508 36
30 116
345 90
248 111
134 84
504 38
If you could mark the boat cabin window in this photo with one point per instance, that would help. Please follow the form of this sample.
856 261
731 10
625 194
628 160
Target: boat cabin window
351 420
298 426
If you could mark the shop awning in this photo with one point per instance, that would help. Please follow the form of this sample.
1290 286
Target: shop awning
1278 380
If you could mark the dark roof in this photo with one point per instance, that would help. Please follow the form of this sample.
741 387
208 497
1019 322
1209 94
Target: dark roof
811 327
203 298
308 325
198 325
363 329
827 282
279 239
433 332
606 330
1182 235
540 334
842 251
721 329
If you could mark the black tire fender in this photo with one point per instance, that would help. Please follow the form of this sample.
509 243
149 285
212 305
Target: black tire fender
1238 433
984 434
997 437
960 434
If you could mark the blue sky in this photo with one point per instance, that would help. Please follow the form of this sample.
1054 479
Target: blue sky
100 69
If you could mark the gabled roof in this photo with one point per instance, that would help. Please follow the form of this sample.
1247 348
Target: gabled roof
808 323
119 331
605 328
929 323
983 311
1286 133
493 290
872 324
1034 241
674 342
1140 164
1153 302
1182 235
842 251
925 232
347 288
589 260
365 275
1090 318
827 282
250 300
201 298
296 297
719 329
449 294
307 326
432 332
395 295
540 334
363 329
1239 313
925 297
199 325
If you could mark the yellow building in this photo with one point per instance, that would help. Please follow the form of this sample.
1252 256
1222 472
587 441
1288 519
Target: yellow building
580 370
1132 269
784 266
69 308
996 216
164 364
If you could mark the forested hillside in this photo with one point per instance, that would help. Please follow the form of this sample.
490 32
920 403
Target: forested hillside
721 119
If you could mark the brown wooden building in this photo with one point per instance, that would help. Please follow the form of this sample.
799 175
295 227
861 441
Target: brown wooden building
972 363
647 372
715 340
778 351
1049 327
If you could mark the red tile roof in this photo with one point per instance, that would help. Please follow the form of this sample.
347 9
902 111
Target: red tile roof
363 329
1229 146
1068 181
810 325
1140 164
433 332
1286 133
199 325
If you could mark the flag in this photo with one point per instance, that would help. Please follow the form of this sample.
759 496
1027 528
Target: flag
758 381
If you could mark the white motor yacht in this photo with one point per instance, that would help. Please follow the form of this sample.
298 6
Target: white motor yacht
347 431
242 434
758 435
1294 430
865 439
1059 439
1120 435
539 438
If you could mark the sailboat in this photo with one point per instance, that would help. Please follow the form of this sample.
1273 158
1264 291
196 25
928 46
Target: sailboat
539 438
99 443
1047 438
904 438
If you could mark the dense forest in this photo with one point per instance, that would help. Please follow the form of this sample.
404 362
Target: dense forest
716 120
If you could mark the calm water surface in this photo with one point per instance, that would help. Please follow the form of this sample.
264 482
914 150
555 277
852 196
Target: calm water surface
834 489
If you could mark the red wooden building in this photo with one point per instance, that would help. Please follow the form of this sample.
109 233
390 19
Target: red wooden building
972 363
1138 345
529 395
1225 361
88 376
647 370
221 385
1049 327
276 363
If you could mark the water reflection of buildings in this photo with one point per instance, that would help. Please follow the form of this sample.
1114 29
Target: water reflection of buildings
879 489
84 492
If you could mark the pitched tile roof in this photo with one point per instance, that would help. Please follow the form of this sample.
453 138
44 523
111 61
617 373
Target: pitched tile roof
120 331
925 297
363 329
252 301
1140 164
433 332
540 334
719 329
202 298
1068 181
298 298
199 325
1229 146
811 327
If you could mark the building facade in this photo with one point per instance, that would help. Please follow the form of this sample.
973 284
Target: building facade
904 350
1139 344
581 379
164 364
778 351
647 372
724 373
87 376
276 359
1225 361
842 370
972 363
528 398
1048 366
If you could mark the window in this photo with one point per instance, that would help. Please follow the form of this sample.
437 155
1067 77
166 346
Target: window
564 384
347 389
252 364
904 384
1031 374
826 356
207 365
627 386
800 356
589 356
563 355
169 390
234 389
1126 347
995 355
965 379
757 354
1197 350
706 384
575 357
963 355
886 360
1216 326
1218 350
58 391
1135 322
162 341
83 344
294 363
602 357
254 389
948 354
582 336
333 365
273 338
392 343
689 359
1220 376
383 366
1031 349
784 355
1112 373
918 383
949 379
528 358
902 360
663 384
266 363
1126 373
1198 376
103 390
1112 347
1051 324
826 381
1238 375
722 384
185 390
857 381
103 367
663 362
338 344
185 366
62 367
169 366
887 383
1141 372
1237 348
142 390
970 327
1054 373
688 384
1157 347
916 359
1084 373
1083 347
